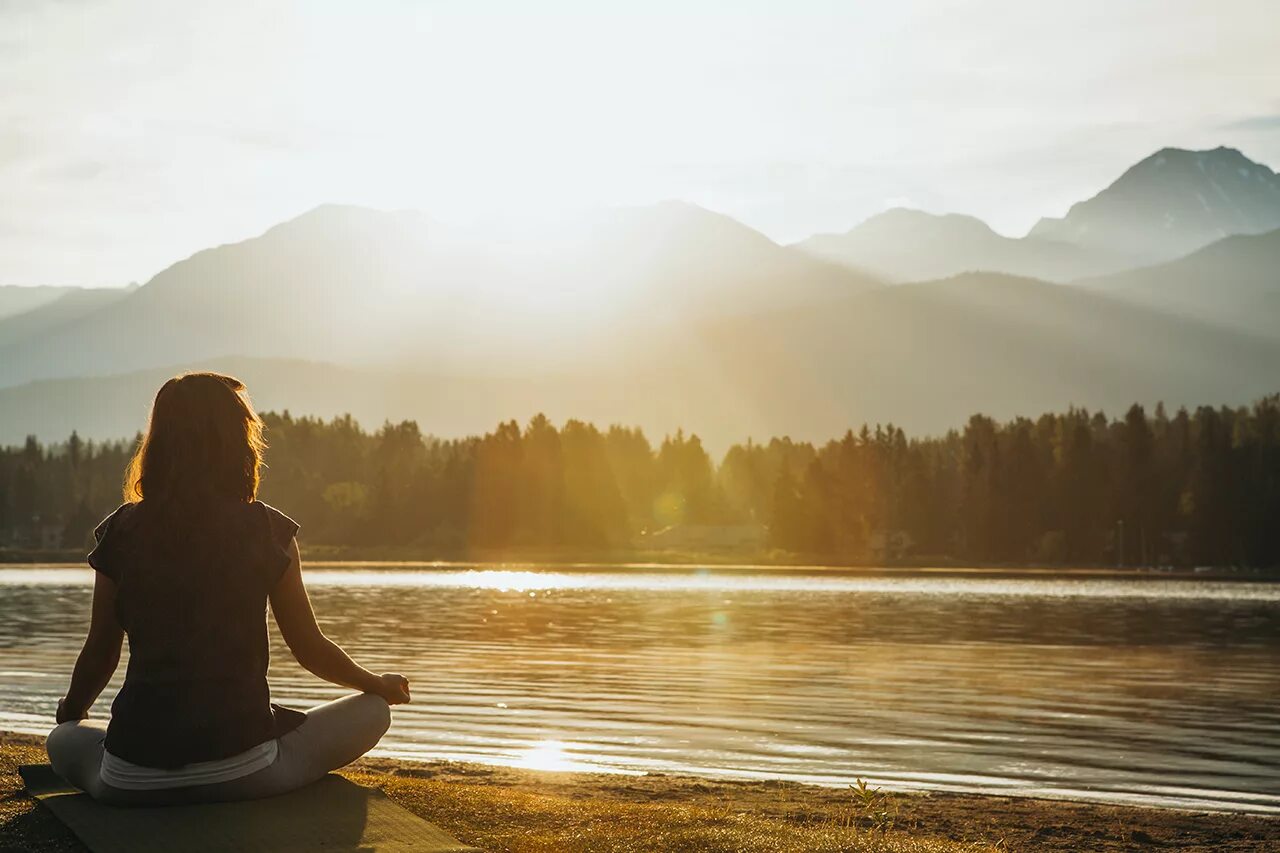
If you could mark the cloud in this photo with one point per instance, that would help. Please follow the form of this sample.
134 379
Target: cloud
167 127
76 171
1262 122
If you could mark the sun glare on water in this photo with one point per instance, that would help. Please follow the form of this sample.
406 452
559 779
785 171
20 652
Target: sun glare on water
547 755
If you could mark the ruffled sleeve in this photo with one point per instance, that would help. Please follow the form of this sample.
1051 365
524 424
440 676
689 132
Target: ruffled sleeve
279 531
106 556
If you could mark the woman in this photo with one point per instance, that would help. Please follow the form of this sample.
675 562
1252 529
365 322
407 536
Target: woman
186 567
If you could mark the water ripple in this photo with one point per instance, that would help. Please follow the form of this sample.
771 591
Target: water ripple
1143 691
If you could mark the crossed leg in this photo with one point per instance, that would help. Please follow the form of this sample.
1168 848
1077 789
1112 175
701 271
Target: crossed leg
333 735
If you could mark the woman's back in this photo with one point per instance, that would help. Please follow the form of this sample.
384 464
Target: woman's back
191 594
186 568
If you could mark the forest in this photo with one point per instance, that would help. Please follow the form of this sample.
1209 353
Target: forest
1194 488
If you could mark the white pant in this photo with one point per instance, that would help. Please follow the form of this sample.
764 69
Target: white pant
333 735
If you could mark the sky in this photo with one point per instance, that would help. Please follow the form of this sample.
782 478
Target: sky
134 134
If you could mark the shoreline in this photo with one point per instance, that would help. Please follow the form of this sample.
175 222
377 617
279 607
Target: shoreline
512 809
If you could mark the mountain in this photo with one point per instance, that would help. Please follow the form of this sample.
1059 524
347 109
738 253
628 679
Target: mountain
911 245
15 299
924 356
116 406
1234 282
662 316
1172 203
685 262
1168 205
928 355
69 305
358 286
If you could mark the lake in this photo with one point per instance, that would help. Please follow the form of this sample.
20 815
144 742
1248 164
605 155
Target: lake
1144 691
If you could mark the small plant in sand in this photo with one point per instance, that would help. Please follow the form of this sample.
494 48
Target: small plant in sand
871 806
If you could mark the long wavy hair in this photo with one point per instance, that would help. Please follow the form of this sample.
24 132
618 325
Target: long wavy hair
203 445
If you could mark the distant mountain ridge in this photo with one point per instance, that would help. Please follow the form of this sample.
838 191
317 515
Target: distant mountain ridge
67 306
923 356
664 316
1234 282
1164 207
360 286
1172 203
911 245
15 299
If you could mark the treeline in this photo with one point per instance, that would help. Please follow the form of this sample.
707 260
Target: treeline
1193 488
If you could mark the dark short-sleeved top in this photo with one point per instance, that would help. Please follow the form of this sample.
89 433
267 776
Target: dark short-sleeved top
192 596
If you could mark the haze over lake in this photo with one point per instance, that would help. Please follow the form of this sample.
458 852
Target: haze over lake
1159 692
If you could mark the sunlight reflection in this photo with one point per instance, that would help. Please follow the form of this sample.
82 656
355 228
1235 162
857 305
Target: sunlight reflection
925 582
506 580
946 583
547 755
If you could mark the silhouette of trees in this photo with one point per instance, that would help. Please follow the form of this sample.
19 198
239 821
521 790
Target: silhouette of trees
1073 487
56 495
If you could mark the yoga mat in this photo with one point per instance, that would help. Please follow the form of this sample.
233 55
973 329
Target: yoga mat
333 814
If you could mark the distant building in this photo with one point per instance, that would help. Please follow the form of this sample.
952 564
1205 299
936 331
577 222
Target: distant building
729 537
889 544
41 534
50 536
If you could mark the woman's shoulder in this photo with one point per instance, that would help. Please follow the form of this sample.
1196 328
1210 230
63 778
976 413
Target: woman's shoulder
118 521
111 539
283 528
268 510
278 531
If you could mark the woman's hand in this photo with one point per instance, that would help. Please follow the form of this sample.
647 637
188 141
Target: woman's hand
99 656
64 714
393 687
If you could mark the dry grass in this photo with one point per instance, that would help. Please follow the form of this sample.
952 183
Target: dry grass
524 811
497 818
500 819
24 827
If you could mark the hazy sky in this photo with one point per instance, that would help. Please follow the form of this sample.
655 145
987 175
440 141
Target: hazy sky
133 134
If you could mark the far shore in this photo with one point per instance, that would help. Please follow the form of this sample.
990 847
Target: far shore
672 561
523 811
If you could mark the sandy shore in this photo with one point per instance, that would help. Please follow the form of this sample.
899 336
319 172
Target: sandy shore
523 811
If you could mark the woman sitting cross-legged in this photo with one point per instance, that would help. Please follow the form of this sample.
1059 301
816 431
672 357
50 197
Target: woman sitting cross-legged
186 569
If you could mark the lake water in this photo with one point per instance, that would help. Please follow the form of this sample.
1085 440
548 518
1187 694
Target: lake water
1158 692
